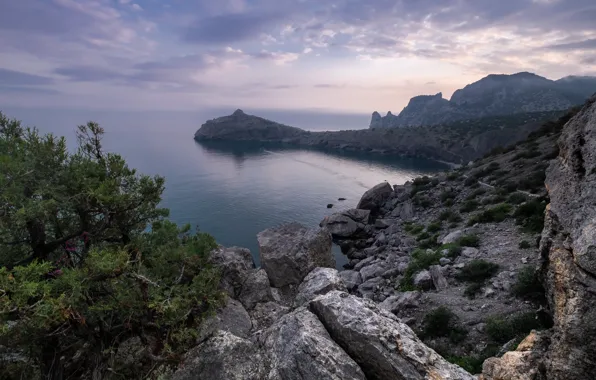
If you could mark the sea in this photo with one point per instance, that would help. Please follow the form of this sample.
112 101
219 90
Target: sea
234 190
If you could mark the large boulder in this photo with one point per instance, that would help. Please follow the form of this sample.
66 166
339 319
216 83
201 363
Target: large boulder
233 318
375 198
255 289
318 281
300 348
235 264
346 224
223 356
289 252
383 346
351 278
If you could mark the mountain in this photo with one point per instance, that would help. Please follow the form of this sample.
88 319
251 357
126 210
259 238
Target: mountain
493 95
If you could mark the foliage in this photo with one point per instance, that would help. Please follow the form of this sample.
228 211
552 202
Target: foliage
517 198
502 329
420 260
421 184
475 194
524 244
413 228
433 227
469 241
450 216
473 289
469 206
442 322
494 214
447 195
87 260
477 271
528 285
530 216
453 250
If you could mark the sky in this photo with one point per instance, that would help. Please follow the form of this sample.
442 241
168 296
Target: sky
342 56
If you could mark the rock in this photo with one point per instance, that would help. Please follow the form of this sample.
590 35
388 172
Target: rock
469 252
318 281
301 349
404 211
341 199
330 205
383 347
346 224
364 263
233 318
372 251
382 224
452 237
223 356
444 261
391 273
489 292
289 252
356 254
381 240
439 281
371 271
255 289
374 198
235 264
351 279
367 289
402 302
265 314
423 280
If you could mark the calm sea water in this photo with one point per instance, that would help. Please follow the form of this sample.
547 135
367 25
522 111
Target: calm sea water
235 190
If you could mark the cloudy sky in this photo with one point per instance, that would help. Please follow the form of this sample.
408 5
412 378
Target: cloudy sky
334 55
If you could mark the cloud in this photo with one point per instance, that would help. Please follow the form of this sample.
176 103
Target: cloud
589 44
17 78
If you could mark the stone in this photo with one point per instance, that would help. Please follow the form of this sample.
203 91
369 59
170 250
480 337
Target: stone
391 273
382 224
356 254
402 302
379 343
372 251
330 205
346 224
444 261
423 280
351 279
289 252
469 252
233 318
255 289
381 240
404 211
223 356
367 289
265 314
364 263
452 237
489 292
374 198
439 281
300 348
318 281
341 199
371 271
235 264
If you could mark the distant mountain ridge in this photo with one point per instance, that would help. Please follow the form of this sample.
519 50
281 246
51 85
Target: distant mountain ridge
493 95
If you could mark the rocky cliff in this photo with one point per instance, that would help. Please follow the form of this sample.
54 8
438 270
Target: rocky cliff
457 143
491 96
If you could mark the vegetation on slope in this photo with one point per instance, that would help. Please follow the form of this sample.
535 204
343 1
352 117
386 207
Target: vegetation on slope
88 262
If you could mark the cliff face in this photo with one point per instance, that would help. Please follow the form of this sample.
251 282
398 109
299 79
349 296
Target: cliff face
490 96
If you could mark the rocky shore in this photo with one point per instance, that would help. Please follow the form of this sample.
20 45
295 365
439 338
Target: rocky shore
461 270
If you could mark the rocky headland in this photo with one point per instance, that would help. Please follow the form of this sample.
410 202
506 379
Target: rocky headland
479 273
493 95
458 143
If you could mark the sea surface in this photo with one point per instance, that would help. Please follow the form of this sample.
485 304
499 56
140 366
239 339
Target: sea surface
235 190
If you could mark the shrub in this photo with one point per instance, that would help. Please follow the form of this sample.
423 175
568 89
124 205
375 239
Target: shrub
534 181
517 198
448 203
530 216
528 285
503 329
495 214
419 260
438 322
434 227
421 201
454 250
524 244
470 181
422 236
445 215
469 241
447 195
473 289
508 187
477 271
475 194
452 176
494 200
420 184
414 229
469 206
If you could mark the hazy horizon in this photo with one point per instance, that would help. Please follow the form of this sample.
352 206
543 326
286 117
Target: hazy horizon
337 56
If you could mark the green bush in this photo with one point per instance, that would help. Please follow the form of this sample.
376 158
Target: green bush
454 250
469 206
420 259
421 201
505 328
469 241
413 228
475 193
447 195
420 184
530 216
438 323
471 181
452 176
533 181
434 227
449 203
528 285
423 235
445 215
494 200
477 271
495 214
517 198
524 244
472 289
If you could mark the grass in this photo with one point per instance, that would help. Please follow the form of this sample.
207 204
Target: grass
528 285
531 216
468 241
524 244
453 250
434 227
469 206
413 229
494 214
477 271
442 322
502 329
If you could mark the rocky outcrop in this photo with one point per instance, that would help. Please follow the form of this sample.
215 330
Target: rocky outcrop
383 346
319 281
289 252
346 224
491 96
375 198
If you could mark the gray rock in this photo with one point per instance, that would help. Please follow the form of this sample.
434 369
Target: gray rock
265 314
444 261
341 226
368 288
423 280
384 347
375 198
233 318
381 240
374 270
351 278
452 237
402 302
300 348
356 254
289 252
404 211
318 281
255 289
372 251
439 281
235 264
382 224
470 252
358 215
364 263
393 272
223 356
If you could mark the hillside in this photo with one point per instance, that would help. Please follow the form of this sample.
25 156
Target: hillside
492 96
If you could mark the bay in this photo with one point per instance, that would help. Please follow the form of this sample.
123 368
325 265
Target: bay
234 190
